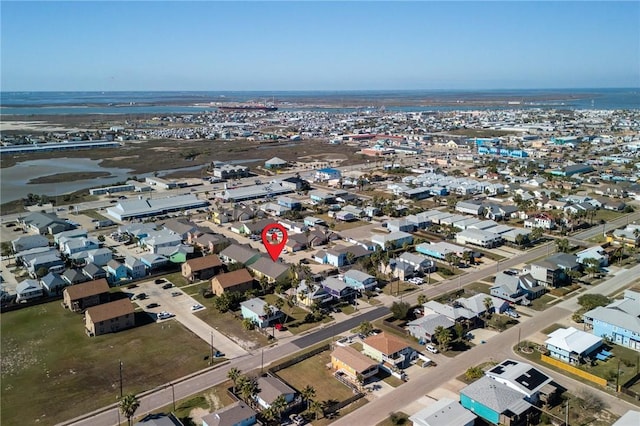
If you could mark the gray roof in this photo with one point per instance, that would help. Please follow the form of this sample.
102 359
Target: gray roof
160 419
42 220
137 207
271 388
616 317
432 321
496 396
238 253
564 260
269 268
27 285
52 280
230 415
357 275
335 284
445 412
522 376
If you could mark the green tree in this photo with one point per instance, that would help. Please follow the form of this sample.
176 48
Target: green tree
536 234
488 304
443 337
562 244
308 393
473 373
592 301
365 328
233 374
458 329
279 406
316 408
422 299
128 405
249 389
350 258
248 324
400 310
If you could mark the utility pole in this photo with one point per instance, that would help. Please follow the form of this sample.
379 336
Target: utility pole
519 330
566 419
261 361
211 358
173 397
618 378
120 362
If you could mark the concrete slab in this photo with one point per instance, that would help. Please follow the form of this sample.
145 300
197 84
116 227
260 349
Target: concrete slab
481 334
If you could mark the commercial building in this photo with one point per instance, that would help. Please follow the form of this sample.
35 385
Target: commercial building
139 208
479 237
255 192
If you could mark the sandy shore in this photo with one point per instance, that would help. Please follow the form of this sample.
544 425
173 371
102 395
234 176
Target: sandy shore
37 126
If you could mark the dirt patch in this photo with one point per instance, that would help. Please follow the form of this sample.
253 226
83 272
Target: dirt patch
197 414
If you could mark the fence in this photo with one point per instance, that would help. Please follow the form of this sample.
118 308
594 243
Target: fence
573 370
299 358
624 388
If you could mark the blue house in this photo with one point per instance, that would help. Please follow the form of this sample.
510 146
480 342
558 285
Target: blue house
359 280
135 268
495 402
290 203
619 321
116 271
572 345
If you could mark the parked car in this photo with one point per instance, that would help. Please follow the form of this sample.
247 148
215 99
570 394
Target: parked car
431 349
512 314
164 315
196 307
152 305
175 293
167 285
141 296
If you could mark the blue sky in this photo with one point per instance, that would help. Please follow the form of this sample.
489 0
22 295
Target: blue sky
318 45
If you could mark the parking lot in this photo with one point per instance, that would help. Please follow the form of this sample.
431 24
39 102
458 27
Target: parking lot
178 303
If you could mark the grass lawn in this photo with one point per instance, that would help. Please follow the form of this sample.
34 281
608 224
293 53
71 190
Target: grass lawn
295 316
93 214
343 412
392 381
396 287
541 303
477 287
176 278
606 215
45 352
229 325
552 328
313 371
211 399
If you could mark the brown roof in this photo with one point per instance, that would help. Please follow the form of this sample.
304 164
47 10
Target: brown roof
206 262
354 359
386 343
90 288
106 311
231 279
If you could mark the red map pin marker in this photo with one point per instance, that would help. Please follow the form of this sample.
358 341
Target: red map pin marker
274 237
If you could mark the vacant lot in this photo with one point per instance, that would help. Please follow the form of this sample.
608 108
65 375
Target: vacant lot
51 370
313 371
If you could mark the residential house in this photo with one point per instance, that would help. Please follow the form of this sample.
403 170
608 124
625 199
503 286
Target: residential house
310 293
28 289
572 345
541 220
44 223
93 271
597 252
267 268
516 288
523 378
337 288
348 361
496 403
423 328
109 317
393 239
479 237
440 249
242 254
100 256
159 419
337 255
156 240
82 296
27 242
401 225
444 412
469 207
77 245
629 236
48 262
619 321
252 228
61 237
239 281
208 242
260 312
201 268
135 268
271 388
116 271
552 271
359 281
74 276
630 418
388 349
153 261
179 227
236 414
52 284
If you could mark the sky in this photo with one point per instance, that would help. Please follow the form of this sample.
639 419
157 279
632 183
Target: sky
181 45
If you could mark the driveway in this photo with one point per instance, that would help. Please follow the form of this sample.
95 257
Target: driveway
180 305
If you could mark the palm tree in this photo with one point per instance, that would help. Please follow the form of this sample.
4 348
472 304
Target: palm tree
128 405
233 374
316 407
488 304
249 389
308 393
422 299
443 337
563 245
365 328
279 405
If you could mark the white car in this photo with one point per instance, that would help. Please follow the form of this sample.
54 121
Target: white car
196 307
431 349
164 315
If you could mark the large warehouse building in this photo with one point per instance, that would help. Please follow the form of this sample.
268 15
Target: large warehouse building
133 209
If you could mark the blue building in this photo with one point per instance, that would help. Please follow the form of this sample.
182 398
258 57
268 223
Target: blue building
259 312
495 402
338 289
359 280
290 203
619 321
440 250
572 345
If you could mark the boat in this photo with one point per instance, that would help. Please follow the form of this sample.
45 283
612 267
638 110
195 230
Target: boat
247 107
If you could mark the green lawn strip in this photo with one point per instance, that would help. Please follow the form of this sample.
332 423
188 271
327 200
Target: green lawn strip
482 366
295 316
176 278
229 324
46 352
394 288
541 303
606 215
478 287
93 214
343 412
552 328
313 371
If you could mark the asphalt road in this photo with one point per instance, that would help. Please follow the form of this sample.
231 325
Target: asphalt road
162 396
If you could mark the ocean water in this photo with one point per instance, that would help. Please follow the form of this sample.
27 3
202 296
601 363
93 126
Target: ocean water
36 103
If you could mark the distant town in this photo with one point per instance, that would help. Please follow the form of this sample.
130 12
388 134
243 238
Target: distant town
442 268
